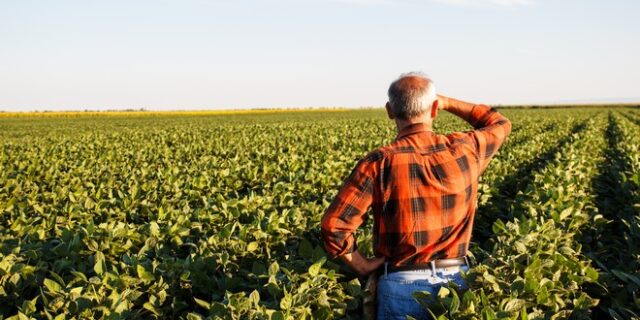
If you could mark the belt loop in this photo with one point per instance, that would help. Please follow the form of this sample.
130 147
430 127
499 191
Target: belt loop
433 267
385 269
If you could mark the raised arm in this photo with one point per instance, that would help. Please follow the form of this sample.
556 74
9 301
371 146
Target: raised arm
458 107
492 128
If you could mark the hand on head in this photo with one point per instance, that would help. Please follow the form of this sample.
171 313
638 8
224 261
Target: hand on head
442 102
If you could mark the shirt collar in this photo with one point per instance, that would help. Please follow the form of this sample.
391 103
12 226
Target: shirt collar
412 129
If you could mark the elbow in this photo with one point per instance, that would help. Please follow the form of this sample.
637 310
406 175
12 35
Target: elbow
505 124
325 224
327 238
507 127
336 242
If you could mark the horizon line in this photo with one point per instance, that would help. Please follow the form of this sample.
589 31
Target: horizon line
310 108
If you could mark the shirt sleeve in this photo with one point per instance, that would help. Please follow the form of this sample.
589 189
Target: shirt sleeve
491 130
347 211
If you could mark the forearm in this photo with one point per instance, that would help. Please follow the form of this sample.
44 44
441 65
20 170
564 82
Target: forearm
459 108
478 115
360 264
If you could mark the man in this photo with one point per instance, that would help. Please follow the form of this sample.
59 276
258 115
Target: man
422 188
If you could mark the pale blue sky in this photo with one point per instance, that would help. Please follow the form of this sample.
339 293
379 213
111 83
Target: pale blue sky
192 54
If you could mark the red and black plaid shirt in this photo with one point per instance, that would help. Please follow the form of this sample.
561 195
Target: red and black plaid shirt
422 188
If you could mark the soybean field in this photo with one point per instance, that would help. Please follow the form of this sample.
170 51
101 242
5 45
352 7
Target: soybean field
217 216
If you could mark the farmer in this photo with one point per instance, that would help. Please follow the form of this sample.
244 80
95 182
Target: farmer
422 188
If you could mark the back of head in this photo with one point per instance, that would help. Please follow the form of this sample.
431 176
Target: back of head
411 95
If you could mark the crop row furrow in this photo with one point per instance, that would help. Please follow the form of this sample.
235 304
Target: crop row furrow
513 169
613 242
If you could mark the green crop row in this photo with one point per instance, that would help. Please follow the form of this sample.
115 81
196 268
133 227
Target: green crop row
613 246
511 169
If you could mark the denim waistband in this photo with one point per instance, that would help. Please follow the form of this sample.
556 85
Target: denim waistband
424 273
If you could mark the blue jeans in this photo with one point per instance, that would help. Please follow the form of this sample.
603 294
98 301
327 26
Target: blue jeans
394 291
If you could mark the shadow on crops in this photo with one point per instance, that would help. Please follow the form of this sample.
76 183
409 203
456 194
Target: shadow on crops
611 245
501 204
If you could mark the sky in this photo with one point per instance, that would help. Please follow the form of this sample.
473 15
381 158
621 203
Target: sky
231 54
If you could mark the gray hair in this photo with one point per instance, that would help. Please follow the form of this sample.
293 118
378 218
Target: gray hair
409 100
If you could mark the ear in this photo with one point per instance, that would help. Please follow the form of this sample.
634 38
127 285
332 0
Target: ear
434 109
389 113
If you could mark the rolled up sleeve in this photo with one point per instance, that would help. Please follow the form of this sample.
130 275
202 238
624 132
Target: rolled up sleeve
347 211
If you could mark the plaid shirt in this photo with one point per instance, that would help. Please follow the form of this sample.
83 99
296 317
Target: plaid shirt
422 188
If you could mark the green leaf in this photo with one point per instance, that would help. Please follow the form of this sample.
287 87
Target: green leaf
151 308
273 268
489 314
469 302
99 265
566 213
520 247
154 229
443 292
194 316
52 286
305 249
144 274
542 296
514 305
592 274
202 303
286 302
455 302
254 297
29 306
18 316
314 269
498 227
278 315
252 246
